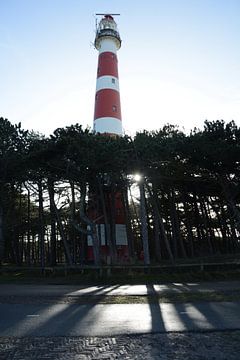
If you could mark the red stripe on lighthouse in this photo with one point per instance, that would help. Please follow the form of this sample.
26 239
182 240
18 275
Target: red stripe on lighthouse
107 104
107 64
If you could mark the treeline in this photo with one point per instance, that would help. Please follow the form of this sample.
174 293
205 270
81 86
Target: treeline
186 204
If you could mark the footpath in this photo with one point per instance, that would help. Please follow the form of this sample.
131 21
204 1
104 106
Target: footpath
117 290
63 322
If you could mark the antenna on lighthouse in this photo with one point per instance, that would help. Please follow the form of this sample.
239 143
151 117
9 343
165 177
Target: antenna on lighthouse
98 14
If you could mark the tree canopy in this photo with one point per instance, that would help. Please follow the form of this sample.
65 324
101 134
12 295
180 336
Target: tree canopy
191 190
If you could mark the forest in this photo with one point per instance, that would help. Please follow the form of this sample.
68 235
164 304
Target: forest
180 194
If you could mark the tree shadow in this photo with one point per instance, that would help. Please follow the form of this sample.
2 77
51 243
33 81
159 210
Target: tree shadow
56 313
180 318
157 323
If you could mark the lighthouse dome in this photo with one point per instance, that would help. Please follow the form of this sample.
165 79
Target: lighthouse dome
108 23
107 28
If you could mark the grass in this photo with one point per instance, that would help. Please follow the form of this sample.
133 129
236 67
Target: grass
211 268
134 277
118 277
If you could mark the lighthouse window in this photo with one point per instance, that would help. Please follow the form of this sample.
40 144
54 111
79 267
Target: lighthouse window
113 81
114 108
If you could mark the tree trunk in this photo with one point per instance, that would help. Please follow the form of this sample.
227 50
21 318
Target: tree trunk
221 224
20 235
233 236
206 226
157 230
206 203
173 226
176 226
188 224
200 233
108 238
53 238
41 225
144 225
1 236
153 196
230 201
60 226
91 225
225 216
83 238
28 226
130 238
96 245
112 201
73 232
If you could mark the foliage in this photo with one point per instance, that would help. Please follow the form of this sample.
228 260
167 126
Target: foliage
191 182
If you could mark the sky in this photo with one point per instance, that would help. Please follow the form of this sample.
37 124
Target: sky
179 62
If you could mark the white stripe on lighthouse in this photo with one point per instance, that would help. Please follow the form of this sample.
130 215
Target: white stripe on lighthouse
107 82
107 45
110 125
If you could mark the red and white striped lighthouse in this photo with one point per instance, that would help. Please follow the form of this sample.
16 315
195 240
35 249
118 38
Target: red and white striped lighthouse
111 226
107 114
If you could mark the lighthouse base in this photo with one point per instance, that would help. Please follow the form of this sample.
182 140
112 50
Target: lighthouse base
121 244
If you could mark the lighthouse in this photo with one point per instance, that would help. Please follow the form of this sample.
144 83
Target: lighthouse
107 209
107 113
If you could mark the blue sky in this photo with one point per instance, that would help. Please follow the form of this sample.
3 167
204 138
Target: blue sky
179 62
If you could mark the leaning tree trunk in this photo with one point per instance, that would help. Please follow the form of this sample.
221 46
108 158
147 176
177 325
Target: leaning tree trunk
221 222
211 224
88 227
153 196
108 237
60 227
91 231
230 201
226 219
206 225
232 229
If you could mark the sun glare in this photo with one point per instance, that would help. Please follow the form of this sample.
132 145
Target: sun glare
137 177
